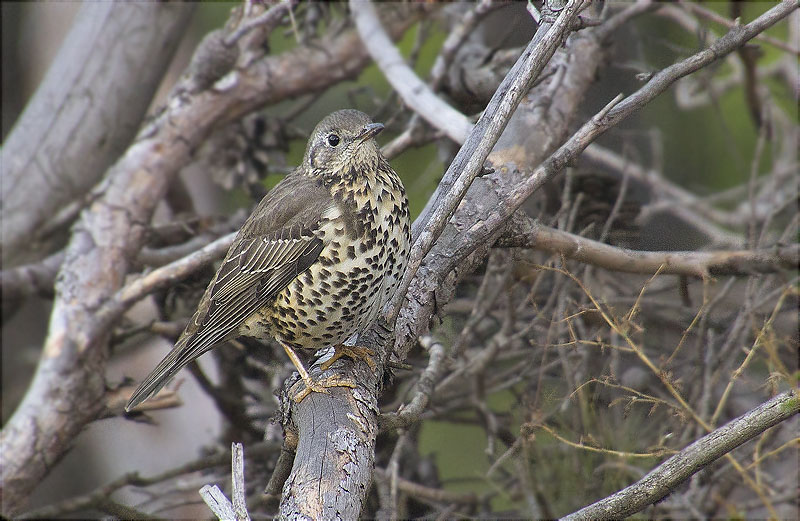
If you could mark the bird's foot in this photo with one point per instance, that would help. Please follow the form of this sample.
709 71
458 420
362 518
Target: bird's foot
322 386
354 352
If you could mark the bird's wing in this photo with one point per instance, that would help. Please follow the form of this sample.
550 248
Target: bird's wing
274 246
251 275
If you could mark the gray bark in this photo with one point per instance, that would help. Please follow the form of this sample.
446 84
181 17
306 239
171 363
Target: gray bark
85 112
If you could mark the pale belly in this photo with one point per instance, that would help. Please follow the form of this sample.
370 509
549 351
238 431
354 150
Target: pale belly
339 295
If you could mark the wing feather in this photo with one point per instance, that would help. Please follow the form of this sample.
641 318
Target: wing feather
274 246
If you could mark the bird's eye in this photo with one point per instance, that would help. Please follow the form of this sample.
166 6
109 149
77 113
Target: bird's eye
333 140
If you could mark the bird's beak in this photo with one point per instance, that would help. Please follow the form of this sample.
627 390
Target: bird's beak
369 131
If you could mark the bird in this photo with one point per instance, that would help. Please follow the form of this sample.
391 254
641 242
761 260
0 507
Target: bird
315 262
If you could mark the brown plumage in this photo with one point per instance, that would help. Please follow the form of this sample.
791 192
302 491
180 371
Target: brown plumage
315 262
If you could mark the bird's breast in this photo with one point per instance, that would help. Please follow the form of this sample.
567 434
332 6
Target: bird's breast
366 248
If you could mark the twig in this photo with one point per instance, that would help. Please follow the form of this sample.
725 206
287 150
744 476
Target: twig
215 498
416 94
664 478
428 493
237 482
455 38
599 450
266 20
91 499
715 17
410 413
700 210
172 272
217 502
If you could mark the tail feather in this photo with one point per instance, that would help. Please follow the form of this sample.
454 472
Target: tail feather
182 354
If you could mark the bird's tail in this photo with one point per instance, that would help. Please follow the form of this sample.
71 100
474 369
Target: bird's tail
184 352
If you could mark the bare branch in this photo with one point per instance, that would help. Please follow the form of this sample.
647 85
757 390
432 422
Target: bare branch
169 274
527 233
715 17
416 94
469 161
82 117
215 498
662 480
336 434
427 380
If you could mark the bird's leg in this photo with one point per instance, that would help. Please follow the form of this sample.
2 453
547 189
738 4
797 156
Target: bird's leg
312 386
354 352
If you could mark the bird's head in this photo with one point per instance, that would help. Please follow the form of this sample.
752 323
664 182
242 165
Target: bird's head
343 143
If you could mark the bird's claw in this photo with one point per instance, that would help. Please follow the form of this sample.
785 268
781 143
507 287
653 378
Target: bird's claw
322 386
354 352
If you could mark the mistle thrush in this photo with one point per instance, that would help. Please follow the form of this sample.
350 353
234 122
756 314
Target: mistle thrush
316 261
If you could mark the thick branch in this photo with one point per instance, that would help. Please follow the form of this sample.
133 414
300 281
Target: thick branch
663 479
85 112
336 433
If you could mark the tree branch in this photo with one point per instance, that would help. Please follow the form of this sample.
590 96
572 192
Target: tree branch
82 117
336 433
468 163
414 92
662 480
330 480
527 233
